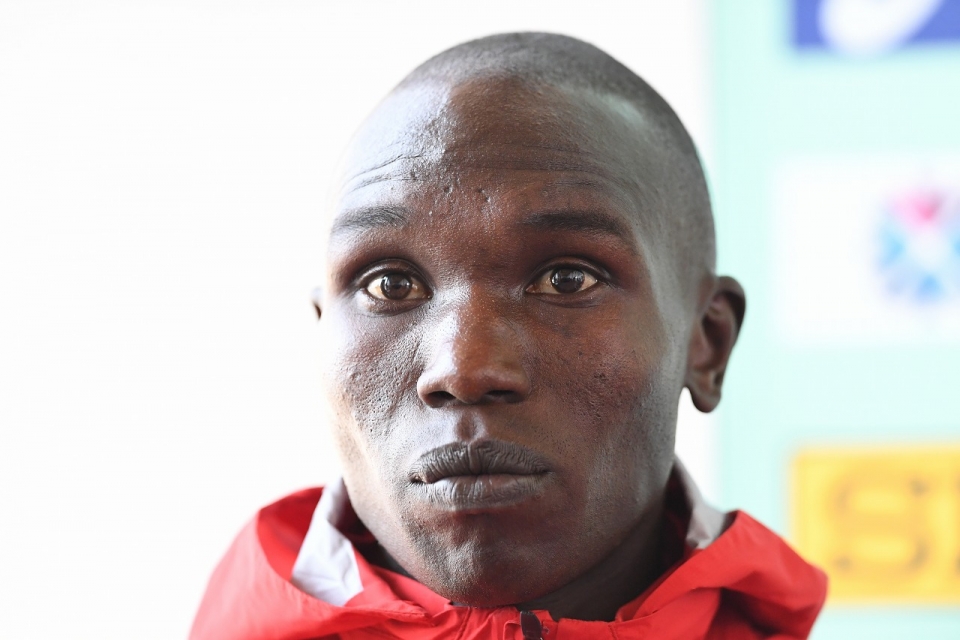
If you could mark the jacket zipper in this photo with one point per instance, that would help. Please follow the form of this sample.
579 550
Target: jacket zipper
530 626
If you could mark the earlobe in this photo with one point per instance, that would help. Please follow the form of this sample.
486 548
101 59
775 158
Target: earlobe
315 297
711 342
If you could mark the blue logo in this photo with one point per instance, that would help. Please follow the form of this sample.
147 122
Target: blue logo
870 27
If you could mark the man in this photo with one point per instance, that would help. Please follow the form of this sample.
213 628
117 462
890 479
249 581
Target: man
519 283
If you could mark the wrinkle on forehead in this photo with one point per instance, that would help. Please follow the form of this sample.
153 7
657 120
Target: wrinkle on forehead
362 175
554 176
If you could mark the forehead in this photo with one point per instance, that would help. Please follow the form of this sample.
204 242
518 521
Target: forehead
509 133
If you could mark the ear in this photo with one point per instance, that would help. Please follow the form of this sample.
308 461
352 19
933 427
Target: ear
316 296
711 342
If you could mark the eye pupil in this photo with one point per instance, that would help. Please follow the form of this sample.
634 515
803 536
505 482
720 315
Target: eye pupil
567 280
395 286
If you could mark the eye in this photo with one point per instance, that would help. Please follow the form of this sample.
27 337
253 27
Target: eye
563 280
396 285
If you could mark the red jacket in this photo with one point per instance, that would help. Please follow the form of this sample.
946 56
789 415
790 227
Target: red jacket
741 584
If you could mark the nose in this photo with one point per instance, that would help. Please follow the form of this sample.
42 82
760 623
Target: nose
475 358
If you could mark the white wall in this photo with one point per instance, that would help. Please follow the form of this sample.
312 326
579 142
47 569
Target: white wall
162 166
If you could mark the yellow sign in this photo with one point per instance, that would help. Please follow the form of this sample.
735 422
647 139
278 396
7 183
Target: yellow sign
883 523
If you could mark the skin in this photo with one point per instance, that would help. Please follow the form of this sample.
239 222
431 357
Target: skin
471 197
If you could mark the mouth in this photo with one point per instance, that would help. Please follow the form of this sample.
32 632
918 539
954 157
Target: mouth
479 476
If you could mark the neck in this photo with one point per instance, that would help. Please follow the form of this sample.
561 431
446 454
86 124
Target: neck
619 578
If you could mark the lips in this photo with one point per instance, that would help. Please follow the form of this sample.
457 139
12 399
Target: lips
488 457
479 475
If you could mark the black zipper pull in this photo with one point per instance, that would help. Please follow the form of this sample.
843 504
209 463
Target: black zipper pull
530 626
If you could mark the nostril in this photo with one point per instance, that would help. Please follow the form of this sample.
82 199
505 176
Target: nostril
498 395
440 398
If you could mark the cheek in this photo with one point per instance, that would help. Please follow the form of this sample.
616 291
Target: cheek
618 386
604 371
366 377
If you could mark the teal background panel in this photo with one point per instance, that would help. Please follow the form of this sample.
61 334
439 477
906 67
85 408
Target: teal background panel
776 103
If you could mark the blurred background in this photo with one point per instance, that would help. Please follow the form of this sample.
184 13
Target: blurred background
163 167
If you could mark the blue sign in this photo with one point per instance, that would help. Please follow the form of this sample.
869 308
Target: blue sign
870 27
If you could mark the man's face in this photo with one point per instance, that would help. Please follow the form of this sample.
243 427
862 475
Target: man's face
506 334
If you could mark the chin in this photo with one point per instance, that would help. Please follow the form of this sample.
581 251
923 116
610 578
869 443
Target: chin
496 573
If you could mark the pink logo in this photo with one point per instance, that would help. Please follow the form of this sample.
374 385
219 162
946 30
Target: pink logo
920 245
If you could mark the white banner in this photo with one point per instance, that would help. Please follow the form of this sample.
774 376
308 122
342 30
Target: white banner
867 250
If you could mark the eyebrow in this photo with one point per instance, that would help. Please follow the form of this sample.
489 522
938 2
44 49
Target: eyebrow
369 218
589 221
